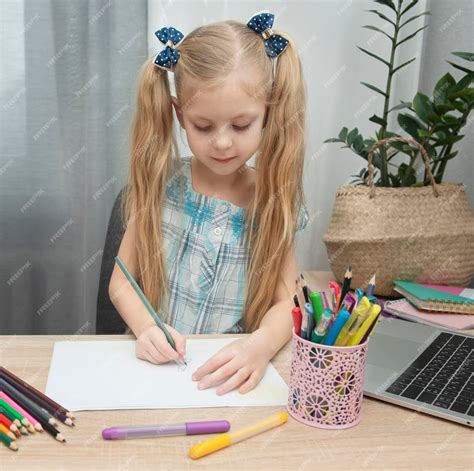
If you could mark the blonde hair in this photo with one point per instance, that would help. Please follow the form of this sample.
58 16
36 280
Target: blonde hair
208 55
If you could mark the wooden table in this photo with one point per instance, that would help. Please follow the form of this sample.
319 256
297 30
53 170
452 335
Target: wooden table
388 437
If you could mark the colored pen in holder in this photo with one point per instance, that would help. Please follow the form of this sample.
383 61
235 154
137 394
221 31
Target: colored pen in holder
326 383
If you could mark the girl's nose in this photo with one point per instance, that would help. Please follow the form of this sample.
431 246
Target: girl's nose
221 140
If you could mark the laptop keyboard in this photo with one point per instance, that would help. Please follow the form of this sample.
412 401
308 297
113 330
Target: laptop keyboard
443 375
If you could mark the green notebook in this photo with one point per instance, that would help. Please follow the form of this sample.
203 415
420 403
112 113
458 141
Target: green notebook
431 299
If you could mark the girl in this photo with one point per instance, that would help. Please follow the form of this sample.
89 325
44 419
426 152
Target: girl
209 239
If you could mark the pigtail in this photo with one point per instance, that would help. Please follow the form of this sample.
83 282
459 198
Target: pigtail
279 187
152 147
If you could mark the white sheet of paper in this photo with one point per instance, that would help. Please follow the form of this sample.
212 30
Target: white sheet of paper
106 375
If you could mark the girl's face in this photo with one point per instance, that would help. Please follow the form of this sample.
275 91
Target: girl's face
223 124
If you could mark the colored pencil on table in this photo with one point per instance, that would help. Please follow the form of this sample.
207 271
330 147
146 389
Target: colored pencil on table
42 416
6 408
19 381
35 425
8 442
14 420
7 432
9 424
37 400
34 409
346 286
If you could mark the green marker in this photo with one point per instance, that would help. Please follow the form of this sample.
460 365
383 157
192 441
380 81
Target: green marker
318 308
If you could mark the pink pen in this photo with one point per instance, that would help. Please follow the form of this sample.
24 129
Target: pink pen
187 428
335 290
36 426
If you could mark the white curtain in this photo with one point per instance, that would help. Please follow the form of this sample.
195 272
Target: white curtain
327 33
67 75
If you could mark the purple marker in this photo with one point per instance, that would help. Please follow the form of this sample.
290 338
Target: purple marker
188 428
325 300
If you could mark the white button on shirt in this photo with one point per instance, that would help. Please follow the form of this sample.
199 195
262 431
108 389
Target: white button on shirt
217 231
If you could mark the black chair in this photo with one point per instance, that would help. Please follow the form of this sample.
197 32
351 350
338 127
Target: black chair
108 320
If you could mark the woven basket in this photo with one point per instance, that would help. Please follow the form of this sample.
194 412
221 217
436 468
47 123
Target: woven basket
423 234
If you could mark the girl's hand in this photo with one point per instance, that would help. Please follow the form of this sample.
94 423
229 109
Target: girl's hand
152 345
240 364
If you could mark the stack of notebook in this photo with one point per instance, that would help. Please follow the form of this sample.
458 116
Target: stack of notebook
439 305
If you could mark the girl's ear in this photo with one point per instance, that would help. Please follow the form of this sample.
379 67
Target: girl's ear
179 112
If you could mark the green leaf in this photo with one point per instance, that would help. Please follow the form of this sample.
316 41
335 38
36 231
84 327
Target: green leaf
442 109
375 89
410 124
434 117
332 139
460 67
440 92
407 174
387 3
423 106
449 139
411 36
451 155
467 93
378 120
374 56
358 144
374 28
400 146
411 5
402 105
403 65
450 119
343 134
414 18
423 134
382 16
469 56
395 180
352 135
462 84
369 142
459 105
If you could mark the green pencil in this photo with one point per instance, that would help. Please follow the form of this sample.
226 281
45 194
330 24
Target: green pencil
23 420
147 304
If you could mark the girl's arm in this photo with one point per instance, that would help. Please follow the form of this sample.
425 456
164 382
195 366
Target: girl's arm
123 296
151 342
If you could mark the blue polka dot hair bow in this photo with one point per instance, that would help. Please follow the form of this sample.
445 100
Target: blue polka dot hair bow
262 24
169 56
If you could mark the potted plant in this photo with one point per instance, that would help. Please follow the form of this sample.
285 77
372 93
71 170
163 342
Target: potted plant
397 218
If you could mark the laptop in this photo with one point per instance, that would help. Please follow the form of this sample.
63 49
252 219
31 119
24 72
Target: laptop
422 367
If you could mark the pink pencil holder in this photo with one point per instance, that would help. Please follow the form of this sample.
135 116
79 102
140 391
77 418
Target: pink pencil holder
326 384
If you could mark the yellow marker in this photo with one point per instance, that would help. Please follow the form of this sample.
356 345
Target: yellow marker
359 335
226 439
355 321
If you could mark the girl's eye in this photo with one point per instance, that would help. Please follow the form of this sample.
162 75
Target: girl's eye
242 128
206 129
237 128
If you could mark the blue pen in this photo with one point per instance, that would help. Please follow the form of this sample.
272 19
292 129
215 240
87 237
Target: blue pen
337 325
304 324
310 313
